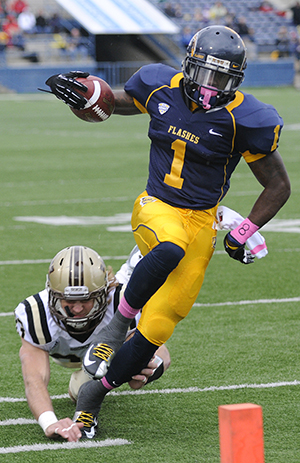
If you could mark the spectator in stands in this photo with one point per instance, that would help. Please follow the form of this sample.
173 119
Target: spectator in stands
41 24
241 27
198 16
178 10
229 21
76 45
205 13
248 35
218 12
186 36
26 21
266 7
3 44
55 24
296 51
296 13
15 34
169 10
3 9
283 43
59 43
251 45
17 7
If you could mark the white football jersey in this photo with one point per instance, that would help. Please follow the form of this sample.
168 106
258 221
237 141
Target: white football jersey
35 324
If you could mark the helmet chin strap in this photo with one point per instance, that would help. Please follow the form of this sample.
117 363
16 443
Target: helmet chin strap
207 94
69 313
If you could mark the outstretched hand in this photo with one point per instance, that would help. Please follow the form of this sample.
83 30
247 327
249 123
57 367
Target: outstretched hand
65 87
65 428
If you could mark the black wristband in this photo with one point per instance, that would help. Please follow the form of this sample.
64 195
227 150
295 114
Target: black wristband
157 374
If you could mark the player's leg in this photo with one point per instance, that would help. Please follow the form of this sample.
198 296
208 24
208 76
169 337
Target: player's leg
159 230
169 305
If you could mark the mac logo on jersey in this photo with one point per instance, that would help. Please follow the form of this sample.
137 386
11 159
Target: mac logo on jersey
163 108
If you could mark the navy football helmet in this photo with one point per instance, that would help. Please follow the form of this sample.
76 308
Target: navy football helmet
214 66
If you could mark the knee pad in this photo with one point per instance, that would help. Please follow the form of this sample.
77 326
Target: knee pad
166 256
158 329
151 272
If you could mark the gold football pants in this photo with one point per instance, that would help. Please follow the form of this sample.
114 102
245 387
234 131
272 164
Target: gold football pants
153 222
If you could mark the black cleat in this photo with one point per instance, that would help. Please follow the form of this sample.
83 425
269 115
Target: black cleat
90 424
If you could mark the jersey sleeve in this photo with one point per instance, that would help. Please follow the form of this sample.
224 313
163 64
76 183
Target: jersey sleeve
32 323
258 128
147 79
22 323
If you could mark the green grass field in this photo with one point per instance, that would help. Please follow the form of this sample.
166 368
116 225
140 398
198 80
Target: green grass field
57 167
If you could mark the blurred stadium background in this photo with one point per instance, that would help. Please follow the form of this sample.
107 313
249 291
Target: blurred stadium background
112 38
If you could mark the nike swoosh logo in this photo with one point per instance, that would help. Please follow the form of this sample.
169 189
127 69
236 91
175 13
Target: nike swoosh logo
212 132
115 384
87 361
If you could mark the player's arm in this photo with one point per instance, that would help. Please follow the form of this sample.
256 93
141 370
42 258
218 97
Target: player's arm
124 104
36 375
272 175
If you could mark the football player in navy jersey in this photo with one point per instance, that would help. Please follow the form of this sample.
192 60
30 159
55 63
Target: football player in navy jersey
200 127
61 321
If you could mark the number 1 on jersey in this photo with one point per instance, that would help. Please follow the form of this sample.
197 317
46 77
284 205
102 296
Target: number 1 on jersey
174 178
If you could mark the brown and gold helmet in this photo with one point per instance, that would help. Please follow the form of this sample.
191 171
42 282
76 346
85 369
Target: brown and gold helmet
77 273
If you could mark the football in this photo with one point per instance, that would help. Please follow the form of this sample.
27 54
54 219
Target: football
101 100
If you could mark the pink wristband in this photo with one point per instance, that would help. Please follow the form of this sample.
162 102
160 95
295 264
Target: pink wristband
244 230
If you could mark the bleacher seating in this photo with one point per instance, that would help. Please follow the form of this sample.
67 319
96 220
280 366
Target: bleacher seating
264 24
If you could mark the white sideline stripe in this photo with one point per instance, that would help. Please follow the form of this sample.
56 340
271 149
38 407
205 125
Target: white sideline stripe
63 446
47 261
16 421
220 304
255 301
46 202
169 391
208 389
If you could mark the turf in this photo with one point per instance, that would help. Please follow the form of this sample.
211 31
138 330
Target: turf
55 165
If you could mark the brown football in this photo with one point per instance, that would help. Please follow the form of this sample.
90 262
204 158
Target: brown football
101 100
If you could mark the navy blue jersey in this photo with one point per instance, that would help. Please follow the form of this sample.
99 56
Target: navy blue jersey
193 154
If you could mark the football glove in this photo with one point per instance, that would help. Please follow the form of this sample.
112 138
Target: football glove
237 250
64 87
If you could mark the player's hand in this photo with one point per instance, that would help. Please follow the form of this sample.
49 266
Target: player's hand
64 87
237 251
65 428
141 379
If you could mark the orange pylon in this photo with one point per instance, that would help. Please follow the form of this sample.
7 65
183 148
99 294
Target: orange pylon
241 433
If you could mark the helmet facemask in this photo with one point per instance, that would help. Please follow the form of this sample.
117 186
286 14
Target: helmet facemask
63 316
86 274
